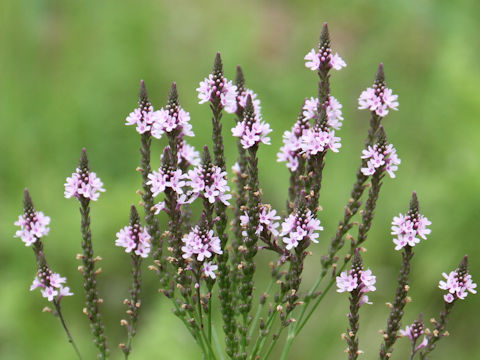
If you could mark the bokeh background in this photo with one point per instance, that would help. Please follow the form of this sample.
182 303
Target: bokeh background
69 76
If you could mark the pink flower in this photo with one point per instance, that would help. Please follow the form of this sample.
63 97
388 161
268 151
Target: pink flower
408 229
357 279
208 182
267 221
50 284
316 140
165 178
32 227
200 243
300 226
380 157
209 269
218 87
84 184
242 102
134 238
378 99
458 284
144 119
346 282
169 119
324 56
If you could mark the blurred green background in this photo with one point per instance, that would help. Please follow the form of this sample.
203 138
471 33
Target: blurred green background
69 74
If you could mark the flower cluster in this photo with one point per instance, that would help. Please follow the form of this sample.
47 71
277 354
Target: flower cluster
187 155
207 181
357 279
458 283
314 59
414 332
242 101
379 99
333 110
84 184
200 243
51 285
292 144
300 226
318 139
33 225
216 88
134 239
380 156
267 221
169 119
166 178
143 118
252 130
409 228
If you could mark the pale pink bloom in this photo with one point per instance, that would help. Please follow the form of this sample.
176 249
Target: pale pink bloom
64 291
300 226
209 182
313 60
143 119
159 207
384 157
200 243
267 221
333 109
408 229
223 88
49 293
346 282
337 62
162 179
236 169
242 101
33 228
51 285
186 153
252 131
316 140
134 238
167 120
378 99
86 185
209 269
457 286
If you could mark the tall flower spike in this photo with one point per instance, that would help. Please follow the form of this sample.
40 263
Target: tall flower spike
85 186
251 130
357 282
217 89
134 238
33 225
300 226
324 58
409 228
378 98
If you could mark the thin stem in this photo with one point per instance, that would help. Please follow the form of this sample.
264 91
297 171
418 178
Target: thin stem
217 343
62 320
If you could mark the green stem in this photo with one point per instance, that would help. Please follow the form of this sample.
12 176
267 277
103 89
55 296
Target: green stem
62 320
259 310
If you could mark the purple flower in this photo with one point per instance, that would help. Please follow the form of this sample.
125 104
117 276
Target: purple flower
209 269
317 139
315 59
409 228
414 332
218 87
33 226
84 184
143 118
380 157
333 110
300 226
170 119
134 239
458 284
242 102
166 178
251 130
51 285
379 99
267 221
200 243
357 278
187 154
209 182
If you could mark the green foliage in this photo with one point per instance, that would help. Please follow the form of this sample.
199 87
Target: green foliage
69 77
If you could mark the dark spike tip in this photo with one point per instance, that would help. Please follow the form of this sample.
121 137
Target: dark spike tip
324 36
240 80
134 217
206 158
414 206
167 156
357 261
173 94
380 75
27 202
249 109
463 266
381 136
142 93
83 163
217 65
203 222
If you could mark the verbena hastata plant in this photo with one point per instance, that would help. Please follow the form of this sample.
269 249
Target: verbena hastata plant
198 257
